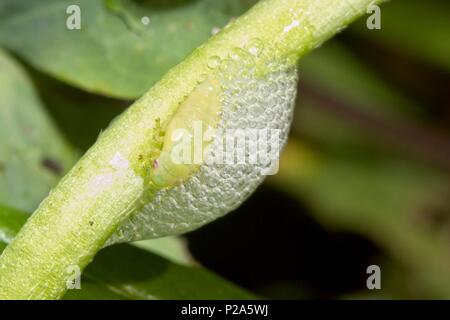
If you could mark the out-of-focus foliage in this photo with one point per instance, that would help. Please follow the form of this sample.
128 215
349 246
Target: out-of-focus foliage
113 53
129 272
10 223
369 154
171 248
33 155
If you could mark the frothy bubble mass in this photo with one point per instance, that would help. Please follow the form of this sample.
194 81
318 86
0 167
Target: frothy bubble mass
249 101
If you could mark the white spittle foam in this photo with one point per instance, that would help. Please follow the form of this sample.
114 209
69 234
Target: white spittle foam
216 189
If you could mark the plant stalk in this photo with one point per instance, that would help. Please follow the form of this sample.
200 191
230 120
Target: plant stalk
107 184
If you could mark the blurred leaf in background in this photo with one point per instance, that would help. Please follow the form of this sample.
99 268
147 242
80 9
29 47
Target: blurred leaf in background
129 272
416 28
371 160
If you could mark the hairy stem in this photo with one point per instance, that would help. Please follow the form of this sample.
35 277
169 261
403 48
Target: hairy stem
107 184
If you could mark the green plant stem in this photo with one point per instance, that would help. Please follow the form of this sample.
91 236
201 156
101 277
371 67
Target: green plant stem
106 186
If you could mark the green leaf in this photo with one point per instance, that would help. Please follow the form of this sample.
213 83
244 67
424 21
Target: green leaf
10 223
113 53
127 272
348 107
387 198
129 171
33 155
